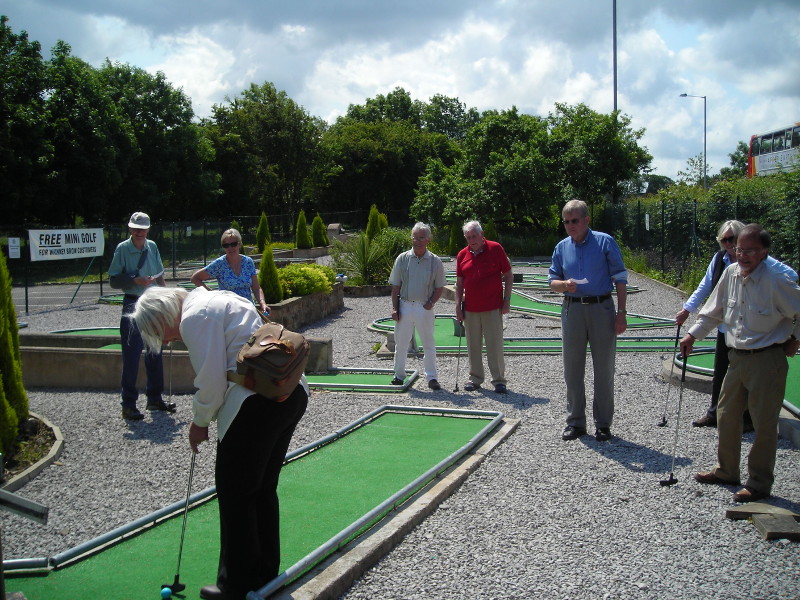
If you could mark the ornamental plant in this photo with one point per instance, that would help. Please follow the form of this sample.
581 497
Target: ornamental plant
268 277
301 237
319 234
262 233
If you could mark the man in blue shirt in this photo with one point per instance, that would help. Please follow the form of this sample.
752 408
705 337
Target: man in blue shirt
586 266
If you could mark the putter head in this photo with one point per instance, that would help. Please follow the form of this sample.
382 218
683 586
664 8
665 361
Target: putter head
662 422
176 586
666 482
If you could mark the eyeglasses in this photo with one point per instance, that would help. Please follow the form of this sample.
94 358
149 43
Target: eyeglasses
728 240
748 251
230 245
572 221
418 239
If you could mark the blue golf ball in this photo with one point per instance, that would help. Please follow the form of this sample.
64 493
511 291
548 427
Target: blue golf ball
166 593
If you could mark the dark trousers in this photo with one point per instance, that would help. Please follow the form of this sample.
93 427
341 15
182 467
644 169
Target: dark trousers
249 461
132 346
721 362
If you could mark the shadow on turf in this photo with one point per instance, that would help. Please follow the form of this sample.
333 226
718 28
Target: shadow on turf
633 456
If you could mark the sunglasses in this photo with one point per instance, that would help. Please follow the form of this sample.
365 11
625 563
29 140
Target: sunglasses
231 245
728 240
572 221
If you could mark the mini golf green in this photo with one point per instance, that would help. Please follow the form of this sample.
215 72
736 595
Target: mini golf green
447 342
360 380
330 491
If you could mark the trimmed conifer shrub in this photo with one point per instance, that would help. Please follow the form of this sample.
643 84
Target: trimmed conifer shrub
262 233
319 233
301 236
268 277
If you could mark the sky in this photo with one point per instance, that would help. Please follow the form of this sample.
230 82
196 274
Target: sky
743 56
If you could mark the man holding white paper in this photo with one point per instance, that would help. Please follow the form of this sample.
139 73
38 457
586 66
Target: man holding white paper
586 266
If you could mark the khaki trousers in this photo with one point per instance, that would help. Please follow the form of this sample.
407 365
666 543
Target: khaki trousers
488 326
754 382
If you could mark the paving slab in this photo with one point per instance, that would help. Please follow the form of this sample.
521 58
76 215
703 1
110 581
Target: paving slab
776 527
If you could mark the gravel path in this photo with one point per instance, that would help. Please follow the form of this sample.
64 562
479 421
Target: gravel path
540 518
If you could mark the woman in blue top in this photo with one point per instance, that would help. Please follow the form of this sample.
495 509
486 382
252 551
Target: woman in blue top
233 271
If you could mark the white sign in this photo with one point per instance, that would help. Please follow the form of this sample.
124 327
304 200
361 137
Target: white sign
60 244
13 248
647 221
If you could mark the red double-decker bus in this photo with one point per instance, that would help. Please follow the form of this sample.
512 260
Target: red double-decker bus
778 150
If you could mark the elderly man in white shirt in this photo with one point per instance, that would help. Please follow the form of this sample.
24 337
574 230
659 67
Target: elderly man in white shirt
417 281
760 307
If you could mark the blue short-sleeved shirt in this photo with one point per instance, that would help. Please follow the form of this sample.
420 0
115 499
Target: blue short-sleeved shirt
597 259
228 280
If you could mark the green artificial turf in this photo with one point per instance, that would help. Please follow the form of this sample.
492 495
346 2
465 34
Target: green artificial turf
321 493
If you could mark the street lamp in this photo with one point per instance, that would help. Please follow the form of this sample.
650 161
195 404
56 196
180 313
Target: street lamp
705 172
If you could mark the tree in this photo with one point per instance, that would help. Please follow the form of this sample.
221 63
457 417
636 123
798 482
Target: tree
319 234
448 116
268 277
373 223
13 398
395 106
266 147
594 152
376 162
302 239
24 148
262 233
693 175
738 158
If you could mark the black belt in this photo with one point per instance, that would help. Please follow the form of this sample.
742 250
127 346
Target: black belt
757 350
133 297
588 299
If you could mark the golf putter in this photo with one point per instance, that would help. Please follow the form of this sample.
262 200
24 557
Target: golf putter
176 586
672 479
663 421
458 355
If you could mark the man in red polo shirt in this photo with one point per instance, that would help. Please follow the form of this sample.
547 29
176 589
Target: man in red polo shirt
483 296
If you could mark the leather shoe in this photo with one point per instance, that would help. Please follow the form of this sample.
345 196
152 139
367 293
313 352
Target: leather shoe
571 432
602 434
500 388
705 421
709 477
434 385
748 494
211 592
471 386
131 413
397 381
169 407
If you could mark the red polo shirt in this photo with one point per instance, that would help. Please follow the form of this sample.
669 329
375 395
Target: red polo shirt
483 276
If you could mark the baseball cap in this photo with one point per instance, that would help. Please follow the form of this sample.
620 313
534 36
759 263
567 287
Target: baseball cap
139 220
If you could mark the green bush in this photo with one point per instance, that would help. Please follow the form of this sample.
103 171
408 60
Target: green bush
319 233
13 398
262 233
373 223
456 239
268 277
490 232
363 262
302 279
301 238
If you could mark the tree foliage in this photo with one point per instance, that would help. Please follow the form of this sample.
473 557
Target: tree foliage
262 233
301 236
319 234
268 277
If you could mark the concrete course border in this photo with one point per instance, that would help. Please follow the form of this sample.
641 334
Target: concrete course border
21 479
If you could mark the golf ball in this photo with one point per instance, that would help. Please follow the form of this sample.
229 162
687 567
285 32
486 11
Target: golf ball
166 593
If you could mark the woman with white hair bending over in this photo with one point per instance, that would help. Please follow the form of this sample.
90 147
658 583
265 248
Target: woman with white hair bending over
253 431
